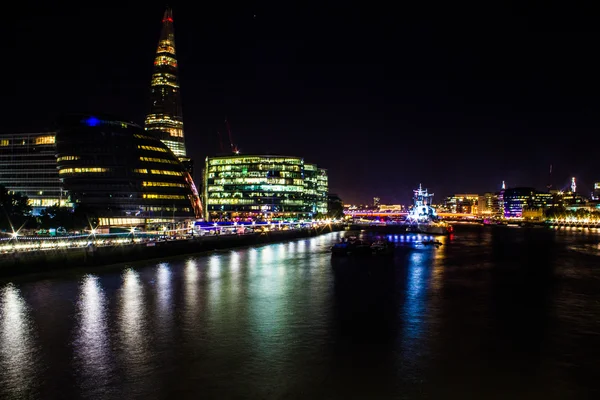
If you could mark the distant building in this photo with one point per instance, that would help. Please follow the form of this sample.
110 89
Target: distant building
489 205
516 200
165 119
262 187
322 191
569 200
125 175
596 192
461 204
28 166
311 193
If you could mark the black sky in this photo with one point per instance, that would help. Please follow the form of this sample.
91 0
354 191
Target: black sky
383 95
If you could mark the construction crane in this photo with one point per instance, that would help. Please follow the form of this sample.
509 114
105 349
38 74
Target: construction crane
234 148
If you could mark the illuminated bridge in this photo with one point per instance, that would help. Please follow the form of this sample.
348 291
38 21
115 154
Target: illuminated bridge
399 214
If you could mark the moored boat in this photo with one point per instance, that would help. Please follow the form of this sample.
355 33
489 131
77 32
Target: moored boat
358 247
422 217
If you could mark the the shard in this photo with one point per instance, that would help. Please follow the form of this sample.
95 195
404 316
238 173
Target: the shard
165 120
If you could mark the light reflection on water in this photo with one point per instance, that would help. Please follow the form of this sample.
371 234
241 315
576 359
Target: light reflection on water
275 320
17 347
92 344
164 289
134 333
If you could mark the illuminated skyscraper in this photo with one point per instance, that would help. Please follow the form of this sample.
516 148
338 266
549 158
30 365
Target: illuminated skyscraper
165 119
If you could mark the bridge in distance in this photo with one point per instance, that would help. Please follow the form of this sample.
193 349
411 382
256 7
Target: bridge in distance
398 214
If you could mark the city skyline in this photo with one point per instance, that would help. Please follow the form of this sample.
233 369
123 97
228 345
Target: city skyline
393 101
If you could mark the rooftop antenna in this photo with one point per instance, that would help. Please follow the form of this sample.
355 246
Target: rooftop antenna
503 185
573 185
234 148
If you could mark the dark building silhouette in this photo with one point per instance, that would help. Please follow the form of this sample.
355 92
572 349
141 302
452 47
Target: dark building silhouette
165 119
127 176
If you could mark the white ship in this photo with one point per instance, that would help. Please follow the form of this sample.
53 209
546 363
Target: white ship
422 218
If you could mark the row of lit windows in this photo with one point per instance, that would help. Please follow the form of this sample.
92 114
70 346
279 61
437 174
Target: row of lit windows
67 158
91 170
162 208
248 167
162 119
225 195
178 148
273 181
158 79
163 184
50 139
174 132
157 172
166 46
152 148
254 160
253 201
165 60
164 196
39 140
256 174
231 201
46 202
139 136
158 160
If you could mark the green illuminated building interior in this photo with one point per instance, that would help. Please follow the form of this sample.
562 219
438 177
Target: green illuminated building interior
263 187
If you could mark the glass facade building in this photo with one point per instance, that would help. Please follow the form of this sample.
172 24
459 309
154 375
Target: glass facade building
263 187
311 195
165 119
126 175
322 191
28 166
515 200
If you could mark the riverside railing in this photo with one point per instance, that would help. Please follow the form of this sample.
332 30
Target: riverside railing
16 242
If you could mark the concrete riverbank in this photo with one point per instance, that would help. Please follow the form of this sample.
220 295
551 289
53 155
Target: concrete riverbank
19 263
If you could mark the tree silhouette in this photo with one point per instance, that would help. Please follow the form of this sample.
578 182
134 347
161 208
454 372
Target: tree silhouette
14 210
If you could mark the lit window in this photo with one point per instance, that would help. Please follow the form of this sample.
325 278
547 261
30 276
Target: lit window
67 158
50 139
163 184
91 170
165 172
153 148
158 160
164 196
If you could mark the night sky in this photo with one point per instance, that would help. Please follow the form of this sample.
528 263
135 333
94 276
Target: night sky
383 96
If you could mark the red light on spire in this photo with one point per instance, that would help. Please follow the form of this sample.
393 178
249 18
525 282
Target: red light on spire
169 19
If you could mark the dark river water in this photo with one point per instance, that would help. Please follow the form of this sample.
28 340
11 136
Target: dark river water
493 313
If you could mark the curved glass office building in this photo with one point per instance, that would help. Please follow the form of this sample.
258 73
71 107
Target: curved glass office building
128 177
261 187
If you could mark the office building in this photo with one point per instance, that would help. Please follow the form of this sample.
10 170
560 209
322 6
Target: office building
125 175
263 187
488 205
461 204
28 166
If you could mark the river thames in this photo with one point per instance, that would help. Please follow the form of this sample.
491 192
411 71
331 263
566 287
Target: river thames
493 313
